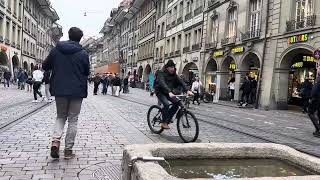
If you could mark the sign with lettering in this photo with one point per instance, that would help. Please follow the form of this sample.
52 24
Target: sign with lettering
232 66
218 53
309 59
297 65
298 39
195 59
237 50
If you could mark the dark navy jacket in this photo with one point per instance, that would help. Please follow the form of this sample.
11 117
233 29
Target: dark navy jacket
70 67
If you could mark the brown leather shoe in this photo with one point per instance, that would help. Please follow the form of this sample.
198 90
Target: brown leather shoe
165 126
68 154
55 149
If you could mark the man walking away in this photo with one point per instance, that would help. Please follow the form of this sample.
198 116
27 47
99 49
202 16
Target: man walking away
105 83
70 68
117 85
196 85
96 83
246 91
306 94
126 85
37 77
7 77
46 80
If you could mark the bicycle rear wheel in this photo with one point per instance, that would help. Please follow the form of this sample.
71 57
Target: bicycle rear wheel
154 119
188 127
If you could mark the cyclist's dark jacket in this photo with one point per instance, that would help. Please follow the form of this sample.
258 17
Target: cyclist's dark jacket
167 83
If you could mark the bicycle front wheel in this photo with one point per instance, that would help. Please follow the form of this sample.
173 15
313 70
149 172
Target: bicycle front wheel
188 127
154 119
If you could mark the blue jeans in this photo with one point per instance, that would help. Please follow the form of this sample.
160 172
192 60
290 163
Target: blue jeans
167 111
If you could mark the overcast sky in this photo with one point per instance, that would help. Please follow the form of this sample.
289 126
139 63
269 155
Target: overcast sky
71 13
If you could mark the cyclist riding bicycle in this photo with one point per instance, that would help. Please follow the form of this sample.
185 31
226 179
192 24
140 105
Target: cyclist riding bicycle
168 84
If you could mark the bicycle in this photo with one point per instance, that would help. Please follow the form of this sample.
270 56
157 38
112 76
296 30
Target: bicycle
186 121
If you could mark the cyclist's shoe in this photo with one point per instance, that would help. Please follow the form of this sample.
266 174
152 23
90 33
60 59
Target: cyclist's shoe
164 126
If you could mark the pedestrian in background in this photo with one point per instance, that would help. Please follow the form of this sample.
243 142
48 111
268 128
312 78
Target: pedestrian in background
29 83
70 68
253 94
196 90
305 93
116 85
37 78
96 83
231 86
22 79
105 82
46 80
126 85
7 77
246 89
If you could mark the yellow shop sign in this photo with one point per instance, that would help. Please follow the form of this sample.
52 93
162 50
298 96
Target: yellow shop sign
237 50
218 53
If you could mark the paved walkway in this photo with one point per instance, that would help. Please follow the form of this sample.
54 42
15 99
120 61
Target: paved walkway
106 125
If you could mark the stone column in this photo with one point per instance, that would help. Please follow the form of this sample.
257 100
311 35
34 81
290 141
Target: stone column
281 88
222 85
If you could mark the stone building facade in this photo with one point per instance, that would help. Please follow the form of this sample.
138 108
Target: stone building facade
28 30
220 41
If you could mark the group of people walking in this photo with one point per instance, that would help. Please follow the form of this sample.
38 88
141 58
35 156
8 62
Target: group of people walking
110 80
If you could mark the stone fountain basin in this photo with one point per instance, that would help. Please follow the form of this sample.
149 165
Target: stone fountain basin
154 171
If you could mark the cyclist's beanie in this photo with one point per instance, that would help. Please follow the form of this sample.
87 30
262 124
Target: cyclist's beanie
170 63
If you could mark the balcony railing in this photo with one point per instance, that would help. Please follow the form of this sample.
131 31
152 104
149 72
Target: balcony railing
178 53
9 9
211 45
188 16
212 2
7 41
186 49
228 40
15 14
2 3
196 47
307 22
250 35
13 44
1 39
19 18
171 54
28 53
179 20
198 11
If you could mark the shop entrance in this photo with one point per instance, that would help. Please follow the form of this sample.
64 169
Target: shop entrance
228 68
190 71
15 63
299 65
140 72
25 66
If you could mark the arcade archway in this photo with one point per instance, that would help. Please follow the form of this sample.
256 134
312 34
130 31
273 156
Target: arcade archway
32 67
296 66
190 71
228 68
15 63
147 71
211 75
140 73
25 66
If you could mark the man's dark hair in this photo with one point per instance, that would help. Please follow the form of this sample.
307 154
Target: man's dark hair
36 68
75 34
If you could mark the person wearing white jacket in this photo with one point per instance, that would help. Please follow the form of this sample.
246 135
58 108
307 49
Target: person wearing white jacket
37 76
196 88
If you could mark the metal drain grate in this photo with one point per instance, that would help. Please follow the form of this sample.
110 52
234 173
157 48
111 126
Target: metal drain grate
107 173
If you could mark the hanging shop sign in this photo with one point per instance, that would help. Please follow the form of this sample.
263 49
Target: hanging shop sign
237 50
297 65
298 39
195 59
218 53
309 59
232 67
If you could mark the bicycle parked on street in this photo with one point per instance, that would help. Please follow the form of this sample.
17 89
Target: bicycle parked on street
187 123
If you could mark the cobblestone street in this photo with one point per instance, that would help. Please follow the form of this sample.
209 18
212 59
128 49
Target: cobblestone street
107 124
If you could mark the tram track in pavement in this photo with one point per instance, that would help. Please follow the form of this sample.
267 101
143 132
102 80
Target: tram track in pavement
281 138
23 115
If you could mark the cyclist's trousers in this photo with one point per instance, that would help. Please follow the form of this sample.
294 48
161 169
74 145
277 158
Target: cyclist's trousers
168 111
314 114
